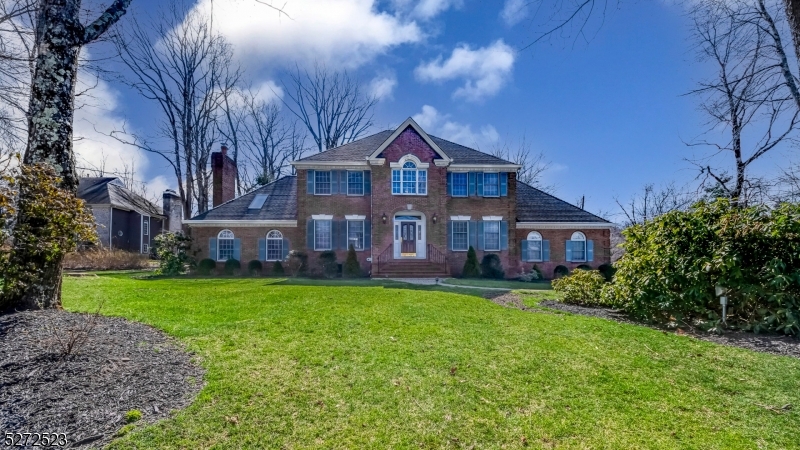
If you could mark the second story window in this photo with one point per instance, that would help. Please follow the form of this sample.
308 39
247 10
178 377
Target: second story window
355 183
409 180
491 185
459 181
322 183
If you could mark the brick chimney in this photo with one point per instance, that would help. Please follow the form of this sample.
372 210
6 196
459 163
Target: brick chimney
223 177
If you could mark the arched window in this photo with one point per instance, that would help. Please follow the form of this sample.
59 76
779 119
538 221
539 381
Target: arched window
535 246
225 245
274 245
578 241
409 179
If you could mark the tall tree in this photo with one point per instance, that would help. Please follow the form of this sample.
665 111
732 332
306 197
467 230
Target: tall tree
59 37
331 105
180 63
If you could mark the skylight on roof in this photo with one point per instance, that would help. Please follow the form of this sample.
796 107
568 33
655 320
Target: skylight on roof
258 201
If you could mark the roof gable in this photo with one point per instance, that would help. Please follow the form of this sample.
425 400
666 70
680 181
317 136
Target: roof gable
111 191
409 123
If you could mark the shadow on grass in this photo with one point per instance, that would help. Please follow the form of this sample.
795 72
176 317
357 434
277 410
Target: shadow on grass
385 284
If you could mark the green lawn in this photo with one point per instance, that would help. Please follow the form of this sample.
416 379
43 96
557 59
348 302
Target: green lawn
312 365
503 284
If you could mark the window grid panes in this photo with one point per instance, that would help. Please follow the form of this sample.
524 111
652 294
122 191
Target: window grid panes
355 183
409 181
491 235
274 245
322 183
459 181
461 236
535 250
225 246
579 250
355 234
422 182
322 235
146 226
491 185
395 181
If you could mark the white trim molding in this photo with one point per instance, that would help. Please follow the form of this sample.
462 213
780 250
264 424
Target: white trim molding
410 123
241 223
377 161
483 167
564 225
492 218
322 216
328 165
460 218
407 158
355 217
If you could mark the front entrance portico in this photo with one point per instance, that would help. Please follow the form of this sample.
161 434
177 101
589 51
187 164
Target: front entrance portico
409 235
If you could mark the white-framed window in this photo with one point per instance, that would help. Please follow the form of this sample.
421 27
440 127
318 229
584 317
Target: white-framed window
145 248
322 183
323 236
145 226
225 245
491 185
459 184
491 235
578 246
355 234
274 245
409 180
535 246
460 235
355 183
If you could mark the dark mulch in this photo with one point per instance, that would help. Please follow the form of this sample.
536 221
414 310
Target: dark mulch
767 343
120 367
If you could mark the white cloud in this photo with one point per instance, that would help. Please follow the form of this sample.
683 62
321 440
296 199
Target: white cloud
514 11
382 87
341 33
433 122
484 70
428 9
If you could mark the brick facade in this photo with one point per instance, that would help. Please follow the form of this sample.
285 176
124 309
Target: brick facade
436 207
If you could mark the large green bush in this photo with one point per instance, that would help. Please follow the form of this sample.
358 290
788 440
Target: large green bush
672 264
277 269
232 266
328 264
471 268
172 251
491 267
206 266
352 268
583 287
254 268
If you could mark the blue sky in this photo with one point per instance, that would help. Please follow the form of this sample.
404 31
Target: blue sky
610 113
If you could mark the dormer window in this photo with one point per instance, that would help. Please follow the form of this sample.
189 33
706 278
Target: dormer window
409 178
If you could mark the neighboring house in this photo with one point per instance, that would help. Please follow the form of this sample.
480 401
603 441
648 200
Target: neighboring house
411 204
125 220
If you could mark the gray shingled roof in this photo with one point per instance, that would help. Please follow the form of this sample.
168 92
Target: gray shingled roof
359 150
281 204
534 205
111 191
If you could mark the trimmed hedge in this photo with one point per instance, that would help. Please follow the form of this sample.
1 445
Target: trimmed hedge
232 266
255 267
583 287
206 266
491 267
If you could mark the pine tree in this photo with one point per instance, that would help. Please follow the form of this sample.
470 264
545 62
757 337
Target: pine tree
471 268
352 269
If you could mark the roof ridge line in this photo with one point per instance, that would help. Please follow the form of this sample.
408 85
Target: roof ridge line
564 201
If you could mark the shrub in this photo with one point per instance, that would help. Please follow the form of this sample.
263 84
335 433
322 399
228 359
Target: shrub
533 275
471 268
583 287
254 267
232 266
105 259
584 267
352 269
172 253
327 262
607 270
297 262
560 271
277 269
206 266
491 267
133 415
672 264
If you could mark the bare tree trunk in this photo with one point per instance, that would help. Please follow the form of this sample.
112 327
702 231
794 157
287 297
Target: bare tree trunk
793 16
59 38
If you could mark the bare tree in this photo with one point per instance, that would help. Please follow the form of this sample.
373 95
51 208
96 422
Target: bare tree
331 105
186 68
534 164
59 37
746 98
654 202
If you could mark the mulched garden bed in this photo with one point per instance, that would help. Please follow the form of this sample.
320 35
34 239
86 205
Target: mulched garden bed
114 367
767 343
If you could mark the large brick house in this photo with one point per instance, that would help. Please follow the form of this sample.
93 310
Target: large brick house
410 203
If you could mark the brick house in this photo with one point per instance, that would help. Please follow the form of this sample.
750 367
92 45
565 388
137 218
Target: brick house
411 204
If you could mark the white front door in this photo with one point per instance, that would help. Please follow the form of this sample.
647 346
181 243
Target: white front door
409 237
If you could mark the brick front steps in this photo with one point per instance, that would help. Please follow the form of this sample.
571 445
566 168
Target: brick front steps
411 269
